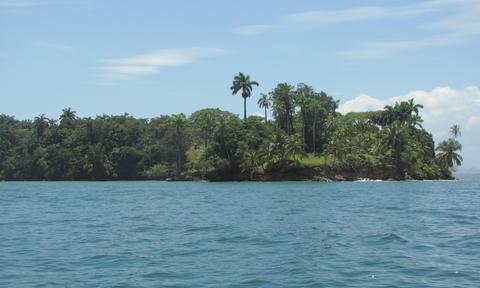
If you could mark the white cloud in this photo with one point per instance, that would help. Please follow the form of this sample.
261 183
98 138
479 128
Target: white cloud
129 70
443 106
459 27
250 30
381 50
362 103
457 22
150 63
258 114
356 14
473 122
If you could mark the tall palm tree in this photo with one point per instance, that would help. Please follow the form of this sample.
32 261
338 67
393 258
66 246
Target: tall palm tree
447 154
68 117
242 82
283 105
455 131
414 108
264 102
41 124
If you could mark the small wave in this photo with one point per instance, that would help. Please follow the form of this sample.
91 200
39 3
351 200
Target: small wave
201 229
387 238
248 240
192 252
255 283
232 239
368 180
394 208
392 237
159 274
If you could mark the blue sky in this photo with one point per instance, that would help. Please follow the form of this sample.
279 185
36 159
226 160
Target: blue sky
161 57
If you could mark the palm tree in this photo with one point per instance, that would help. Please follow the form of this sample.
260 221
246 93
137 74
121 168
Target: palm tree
40 123
264 102
395 138
242 82
414 109
447 154
294 147
455 131
67 118
283 105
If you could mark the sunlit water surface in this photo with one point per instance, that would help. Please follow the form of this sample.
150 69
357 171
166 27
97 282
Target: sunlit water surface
285 234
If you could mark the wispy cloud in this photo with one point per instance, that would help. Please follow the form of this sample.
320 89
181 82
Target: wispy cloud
460 27
355 14
150 63
330 17
250 30
385 49
460 23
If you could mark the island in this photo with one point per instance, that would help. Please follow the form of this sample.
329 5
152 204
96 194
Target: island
307 139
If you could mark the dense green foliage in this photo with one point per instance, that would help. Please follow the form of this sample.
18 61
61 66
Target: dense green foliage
306 133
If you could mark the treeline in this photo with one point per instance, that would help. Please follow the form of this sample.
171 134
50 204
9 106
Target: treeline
306 133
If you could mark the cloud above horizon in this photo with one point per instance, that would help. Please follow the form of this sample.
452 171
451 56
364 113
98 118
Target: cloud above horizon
460 26
150 63
443 107
338 16
325 17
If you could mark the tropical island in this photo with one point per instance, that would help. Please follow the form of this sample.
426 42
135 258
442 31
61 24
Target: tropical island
306 140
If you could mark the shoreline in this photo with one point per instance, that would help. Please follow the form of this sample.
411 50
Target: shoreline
294 174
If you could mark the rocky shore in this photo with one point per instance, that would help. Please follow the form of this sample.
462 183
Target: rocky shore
307 174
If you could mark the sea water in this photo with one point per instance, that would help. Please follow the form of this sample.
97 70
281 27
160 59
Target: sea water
240 234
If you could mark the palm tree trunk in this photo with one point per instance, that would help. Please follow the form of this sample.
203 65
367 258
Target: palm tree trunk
303 127
266 121
314 133
244 108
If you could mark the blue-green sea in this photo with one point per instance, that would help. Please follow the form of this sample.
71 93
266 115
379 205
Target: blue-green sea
249 234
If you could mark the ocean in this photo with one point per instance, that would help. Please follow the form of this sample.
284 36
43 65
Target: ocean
240 234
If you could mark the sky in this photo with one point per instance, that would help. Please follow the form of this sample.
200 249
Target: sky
149 58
